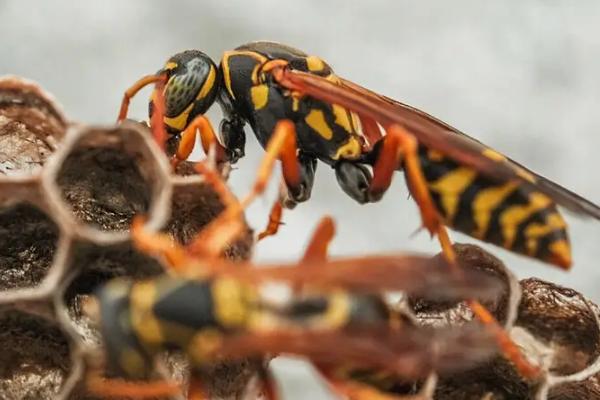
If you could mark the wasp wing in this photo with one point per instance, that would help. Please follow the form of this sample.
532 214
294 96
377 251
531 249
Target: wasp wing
434 134
410 352
431 278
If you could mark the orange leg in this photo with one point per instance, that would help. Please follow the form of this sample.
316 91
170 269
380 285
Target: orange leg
318 245
208 139
158 244
134 390
229 223
509 348
396 144
157 118
274 221
133 90
398 139
282 146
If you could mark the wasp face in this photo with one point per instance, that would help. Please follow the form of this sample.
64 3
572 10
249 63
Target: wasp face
191 87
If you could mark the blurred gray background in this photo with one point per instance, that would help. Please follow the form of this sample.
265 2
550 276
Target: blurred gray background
522 76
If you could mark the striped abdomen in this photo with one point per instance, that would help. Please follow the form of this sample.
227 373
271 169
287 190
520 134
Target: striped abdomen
503 213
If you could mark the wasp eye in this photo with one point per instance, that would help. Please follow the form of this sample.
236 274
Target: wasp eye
190 74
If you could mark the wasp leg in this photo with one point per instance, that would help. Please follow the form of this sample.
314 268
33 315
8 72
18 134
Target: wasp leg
302 191
208 138
399 139
318 245
274 221
508 347
133 90
291 196
159 244
110 388
400 143
234 138
157 114
282 145
229 224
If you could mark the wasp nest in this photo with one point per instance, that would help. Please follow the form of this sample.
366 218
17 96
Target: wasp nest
68 194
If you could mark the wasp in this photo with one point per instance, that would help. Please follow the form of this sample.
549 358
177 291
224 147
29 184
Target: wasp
303 112
457 181
335 317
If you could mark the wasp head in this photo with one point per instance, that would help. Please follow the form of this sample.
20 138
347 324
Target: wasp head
191 87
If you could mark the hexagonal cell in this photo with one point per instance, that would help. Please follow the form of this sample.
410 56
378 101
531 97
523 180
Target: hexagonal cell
562 319
29 242
31 124
503 308
35 358
195 204
93 265
106 176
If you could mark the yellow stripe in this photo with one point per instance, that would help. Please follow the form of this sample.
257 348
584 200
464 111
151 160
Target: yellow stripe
450 187
511 218
225 65
562 249
314 64
351 150
342 118
226 72
146 326
493 155
230 302
170 65
486 202
534 231
338 310
316 120
260 96
209 83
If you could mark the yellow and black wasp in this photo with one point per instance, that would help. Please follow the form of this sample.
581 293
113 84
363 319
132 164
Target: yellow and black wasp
340 323
456 180
296 104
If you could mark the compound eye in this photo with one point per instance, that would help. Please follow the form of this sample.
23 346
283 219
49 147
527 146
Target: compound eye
184 85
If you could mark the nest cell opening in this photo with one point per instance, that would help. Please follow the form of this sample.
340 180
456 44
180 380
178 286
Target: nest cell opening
108 177
95 265
28 242
35 359
194 205
30 126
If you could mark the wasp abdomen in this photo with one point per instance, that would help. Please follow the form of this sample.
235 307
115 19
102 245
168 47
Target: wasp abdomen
503 213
